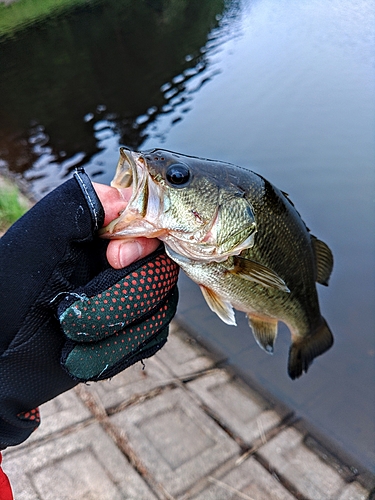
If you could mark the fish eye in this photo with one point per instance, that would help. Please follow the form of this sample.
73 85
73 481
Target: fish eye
178 174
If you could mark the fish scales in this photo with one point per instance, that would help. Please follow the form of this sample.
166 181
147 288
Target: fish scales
236 235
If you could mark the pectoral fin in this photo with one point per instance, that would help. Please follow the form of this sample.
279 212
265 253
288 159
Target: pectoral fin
219 306
324 260
253 271
264 331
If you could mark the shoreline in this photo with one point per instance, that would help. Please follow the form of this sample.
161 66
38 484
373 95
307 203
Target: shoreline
19 203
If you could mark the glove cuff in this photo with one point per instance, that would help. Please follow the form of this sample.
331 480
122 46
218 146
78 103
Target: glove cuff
92 199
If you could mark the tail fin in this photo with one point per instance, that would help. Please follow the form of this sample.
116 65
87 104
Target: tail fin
303 352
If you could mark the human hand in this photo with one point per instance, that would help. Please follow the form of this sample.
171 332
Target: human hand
121 253
53 264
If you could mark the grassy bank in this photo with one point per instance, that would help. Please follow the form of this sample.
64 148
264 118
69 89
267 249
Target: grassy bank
21 13
12 204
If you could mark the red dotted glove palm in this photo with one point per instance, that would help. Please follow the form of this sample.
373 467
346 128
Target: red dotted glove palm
119 318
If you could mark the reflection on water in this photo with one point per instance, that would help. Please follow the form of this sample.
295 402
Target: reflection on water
104 69
284 87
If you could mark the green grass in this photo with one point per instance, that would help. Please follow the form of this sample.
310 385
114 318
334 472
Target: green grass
11 206
25 12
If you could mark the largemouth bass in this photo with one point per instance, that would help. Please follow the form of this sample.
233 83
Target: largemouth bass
237 236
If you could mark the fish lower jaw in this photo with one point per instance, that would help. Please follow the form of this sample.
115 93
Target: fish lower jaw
188 253
131 227
197 251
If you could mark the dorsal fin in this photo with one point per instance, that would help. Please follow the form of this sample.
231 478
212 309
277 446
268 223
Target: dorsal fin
323 259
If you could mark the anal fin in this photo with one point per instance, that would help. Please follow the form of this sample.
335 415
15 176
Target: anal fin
264 331
221 307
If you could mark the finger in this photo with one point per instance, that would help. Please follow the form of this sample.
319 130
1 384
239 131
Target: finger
121 253
113 200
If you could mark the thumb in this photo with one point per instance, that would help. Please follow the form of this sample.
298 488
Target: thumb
114 200
122 253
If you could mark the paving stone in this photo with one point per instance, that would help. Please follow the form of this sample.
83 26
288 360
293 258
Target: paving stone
310 475
354 491
135 380
247 481
71 458
85 465
241 410
182 355
176 440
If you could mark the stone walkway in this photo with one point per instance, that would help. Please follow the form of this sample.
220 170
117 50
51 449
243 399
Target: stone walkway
181 427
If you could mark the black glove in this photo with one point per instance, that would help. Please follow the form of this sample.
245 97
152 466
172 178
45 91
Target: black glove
53 271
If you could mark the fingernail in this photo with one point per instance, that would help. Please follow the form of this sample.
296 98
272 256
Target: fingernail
129 252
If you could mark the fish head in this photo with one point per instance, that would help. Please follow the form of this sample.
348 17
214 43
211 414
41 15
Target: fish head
190 203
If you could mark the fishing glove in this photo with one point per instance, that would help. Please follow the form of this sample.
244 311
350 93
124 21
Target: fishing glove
65 315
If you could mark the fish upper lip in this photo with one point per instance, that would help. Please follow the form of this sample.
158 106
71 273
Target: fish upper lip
126 157
134 169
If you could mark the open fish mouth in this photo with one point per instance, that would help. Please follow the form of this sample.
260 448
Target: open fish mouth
126 170
144 205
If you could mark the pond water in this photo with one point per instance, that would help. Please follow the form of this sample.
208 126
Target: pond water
283 87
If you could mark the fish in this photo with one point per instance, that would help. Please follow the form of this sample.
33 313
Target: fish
238 237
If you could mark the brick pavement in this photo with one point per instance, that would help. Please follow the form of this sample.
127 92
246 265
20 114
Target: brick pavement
182 427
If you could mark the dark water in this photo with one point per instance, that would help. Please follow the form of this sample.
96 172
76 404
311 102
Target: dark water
284 87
